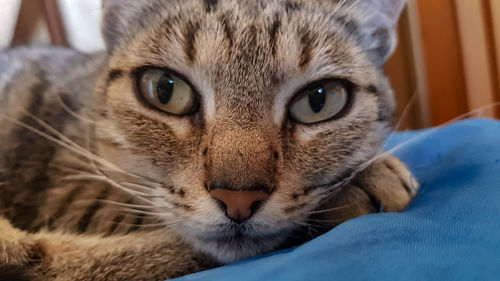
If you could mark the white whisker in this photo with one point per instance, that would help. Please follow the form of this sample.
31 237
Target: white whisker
141 195
305 224
339 6
140 186
353 5
326 221
70 169
44 135
77 150
129 205
404 113
155 214
322 211
148 225
94 157
68 141
73 113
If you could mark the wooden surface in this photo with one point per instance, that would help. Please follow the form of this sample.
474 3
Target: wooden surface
493 24
400 70
54 21
477 53
31 25
39 23
459 41
443 57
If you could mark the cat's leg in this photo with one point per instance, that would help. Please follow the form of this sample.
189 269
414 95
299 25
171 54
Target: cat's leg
56 256
387 185
19 253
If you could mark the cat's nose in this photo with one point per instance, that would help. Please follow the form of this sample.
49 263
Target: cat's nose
239 205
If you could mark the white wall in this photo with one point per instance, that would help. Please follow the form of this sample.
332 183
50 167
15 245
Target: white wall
9 10
81 19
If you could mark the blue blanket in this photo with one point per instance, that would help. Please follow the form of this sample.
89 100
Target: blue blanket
450 232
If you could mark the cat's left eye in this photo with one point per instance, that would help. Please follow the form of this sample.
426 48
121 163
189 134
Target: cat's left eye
320 102
166 91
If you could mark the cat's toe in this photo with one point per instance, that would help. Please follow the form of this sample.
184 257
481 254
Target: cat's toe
389 182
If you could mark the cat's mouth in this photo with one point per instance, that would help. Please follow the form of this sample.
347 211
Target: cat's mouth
238 236
236 242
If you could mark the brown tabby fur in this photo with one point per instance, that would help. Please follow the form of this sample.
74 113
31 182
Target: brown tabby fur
97 185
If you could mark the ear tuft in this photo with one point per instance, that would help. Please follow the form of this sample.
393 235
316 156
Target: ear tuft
378 22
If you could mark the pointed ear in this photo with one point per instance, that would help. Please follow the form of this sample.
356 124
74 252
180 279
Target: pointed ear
378 25
115 20
111 25
390 8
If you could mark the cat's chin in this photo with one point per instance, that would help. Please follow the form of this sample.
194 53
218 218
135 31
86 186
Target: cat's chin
234 246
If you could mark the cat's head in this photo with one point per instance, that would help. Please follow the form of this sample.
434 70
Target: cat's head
245 112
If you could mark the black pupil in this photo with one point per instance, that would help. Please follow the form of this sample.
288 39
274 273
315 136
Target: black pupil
317 99
165 89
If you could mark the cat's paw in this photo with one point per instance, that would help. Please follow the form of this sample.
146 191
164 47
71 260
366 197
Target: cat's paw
17 249
385 186
389 183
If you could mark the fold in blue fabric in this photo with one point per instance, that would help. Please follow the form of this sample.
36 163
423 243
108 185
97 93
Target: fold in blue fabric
450 232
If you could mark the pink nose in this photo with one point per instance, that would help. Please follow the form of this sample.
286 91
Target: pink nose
239 205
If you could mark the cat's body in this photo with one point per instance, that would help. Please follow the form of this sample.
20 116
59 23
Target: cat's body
83 154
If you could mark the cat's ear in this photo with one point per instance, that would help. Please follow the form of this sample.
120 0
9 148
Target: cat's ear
379 20
116 14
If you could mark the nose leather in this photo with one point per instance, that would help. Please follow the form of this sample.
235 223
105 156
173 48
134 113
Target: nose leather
239 204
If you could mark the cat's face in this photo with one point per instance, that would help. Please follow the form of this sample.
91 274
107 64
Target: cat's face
242 108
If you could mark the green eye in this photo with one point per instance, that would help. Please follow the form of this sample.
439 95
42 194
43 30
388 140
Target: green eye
319 102
167 92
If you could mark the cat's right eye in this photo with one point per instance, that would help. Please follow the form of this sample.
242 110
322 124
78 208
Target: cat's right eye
166 91
320 101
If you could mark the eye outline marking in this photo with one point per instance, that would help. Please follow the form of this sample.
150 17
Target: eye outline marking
136 79
348 85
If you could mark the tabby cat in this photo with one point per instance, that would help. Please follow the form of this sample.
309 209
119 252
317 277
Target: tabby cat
210 131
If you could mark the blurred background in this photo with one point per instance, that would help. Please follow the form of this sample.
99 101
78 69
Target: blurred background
447 63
